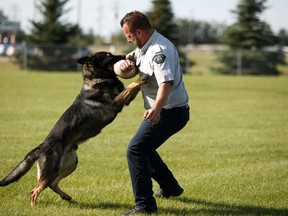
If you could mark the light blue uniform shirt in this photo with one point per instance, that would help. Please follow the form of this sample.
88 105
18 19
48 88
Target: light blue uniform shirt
159 59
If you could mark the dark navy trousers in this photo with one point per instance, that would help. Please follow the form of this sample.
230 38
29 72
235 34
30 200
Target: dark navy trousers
145 163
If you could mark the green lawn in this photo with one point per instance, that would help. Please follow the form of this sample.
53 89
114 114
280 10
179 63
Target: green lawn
231 158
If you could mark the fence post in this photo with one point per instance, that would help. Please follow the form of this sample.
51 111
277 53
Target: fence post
25 56
239 62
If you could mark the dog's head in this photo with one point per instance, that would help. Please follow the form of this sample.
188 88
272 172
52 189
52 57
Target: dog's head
99 65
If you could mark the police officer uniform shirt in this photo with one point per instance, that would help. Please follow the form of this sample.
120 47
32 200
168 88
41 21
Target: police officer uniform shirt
159 59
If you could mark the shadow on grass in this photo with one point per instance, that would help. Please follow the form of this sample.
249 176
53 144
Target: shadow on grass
100 205
217 208
202 207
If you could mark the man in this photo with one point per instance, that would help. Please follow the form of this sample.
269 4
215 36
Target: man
167 111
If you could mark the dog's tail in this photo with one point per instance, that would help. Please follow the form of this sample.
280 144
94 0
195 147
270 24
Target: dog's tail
22 168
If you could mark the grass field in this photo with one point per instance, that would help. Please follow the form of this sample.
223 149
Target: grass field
231 158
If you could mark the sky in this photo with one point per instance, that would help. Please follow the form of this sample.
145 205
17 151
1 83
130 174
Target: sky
103 16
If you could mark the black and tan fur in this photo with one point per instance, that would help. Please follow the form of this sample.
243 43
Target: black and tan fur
101 98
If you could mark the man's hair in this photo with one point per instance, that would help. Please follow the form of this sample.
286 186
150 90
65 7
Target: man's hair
136 20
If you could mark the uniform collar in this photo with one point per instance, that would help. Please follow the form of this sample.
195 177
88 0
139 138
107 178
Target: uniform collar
149 42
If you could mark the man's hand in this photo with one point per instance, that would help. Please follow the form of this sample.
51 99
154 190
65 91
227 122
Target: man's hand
152 115
127 65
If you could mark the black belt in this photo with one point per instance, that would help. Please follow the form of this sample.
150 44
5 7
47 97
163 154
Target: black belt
176 108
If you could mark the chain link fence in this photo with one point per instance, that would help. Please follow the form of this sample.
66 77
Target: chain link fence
49 57
200 59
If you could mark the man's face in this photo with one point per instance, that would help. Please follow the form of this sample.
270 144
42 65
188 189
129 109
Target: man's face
132 37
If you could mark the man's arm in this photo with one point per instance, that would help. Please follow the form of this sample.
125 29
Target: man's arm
153 114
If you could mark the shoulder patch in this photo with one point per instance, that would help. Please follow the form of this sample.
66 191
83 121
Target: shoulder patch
159 58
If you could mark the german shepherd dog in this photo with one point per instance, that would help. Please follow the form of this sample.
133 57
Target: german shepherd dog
101 98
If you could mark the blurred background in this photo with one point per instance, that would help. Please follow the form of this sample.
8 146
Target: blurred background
238 37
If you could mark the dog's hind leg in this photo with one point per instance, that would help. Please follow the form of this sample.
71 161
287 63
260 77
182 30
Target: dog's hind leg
68 165
41 185
47 171
55 187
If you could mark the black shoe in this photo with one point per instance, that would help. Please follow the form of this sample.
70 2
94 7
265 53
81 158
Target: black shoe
169 191
138 210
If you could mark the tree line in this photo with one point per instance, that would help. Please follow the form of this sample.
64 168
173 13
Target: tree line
249 33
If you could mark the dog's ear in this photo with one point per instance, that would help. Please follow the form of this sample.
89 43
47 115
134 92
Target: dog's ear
83 60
